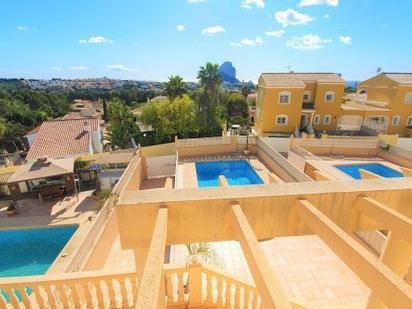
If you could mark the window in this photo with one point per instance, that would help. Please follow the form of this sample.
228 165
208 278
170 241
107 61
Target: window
281 120
329 96
306 96
408 97
395 121
284 98
316 120
327 119
409 122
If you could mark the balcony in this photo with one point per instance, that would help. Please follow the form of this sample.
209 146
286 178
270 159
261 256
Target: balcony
308 107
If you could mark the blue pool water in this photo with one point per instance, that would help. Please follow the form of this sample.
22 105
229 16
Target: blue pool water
376 168
28 252
237 173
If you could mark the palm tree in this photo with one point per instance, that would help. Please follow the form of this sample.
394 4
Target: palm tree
209 76
175 87
11 139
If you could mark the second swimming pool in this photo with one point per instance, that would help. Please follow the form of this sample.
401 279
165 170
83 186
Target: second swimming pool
237 173
376 168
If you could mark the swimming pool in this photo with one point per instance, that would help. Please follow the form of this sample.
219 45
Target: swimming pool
376 168
29 252
237 173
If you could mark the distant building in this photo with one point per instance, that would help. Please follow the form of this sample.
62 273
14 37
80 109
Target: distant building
64 138
297 101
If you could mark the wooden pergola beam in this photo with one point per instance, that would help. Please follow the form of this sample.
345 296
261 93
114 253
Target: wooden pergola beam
387 218
268 286
151 293
392 290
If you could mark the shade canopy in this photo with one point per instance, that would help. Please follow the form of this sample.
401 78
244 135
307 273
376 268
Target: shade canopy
43 168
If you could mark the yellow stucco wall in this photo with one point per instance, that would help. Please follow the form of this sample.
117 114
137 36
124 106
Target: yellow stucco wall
379 88
269 109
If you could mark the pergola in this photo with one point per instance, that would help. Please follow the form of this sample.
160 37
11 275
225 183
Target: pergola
44 176
151 220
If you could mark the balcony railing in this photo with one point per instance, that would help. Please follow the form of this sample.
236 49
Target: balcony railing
192 284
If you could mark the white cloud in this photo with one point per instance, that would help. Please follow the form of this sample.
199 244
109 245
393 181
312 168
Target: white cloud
275 33
79 68
180 28
326 16
345 39
22 28
96 40
195 1
319 2
292 18
247 42
308 42
248 4
213 30
120 67
57 69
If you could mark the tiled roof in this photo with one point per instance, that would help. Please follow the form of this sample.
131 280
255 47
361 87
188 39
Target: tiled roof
33 131
60 138
401 78
299 79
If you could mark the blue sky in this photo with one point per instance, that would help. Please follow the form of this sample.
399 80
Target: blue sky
136 39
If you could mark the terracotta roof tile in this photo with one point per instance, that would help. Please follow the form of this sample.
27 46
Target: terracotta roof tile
60 138
401 78
299 79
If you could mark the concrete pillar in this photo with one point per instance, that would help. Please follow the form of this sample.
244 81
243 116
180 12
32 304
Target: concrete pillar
151 294
140 256
268 286
195 286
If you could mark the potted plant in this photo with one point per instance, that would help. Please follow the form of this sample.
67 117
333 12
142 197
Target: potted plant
11 209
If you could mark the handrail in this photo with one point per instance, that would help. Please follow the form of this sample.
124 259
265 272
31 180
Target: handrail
188 284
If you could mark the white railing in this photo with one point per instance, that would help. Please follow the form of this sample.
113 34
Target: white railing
192 284
200 284
97 289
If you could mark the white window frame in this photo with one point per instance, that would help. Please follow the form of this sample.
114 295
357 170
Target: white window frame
409 120
408 98
325 118
281 116
309 94
396 120
316 120
332 93
285 93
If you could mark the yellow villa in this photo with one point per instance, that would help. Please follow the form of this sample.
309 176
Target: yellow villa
201 223
290 102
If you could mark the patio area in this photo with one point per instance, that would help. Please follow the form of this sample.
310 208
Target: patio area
31 212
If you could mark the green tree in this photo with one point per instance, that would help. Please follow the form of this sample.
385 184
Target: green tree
175 87
171 118
245 91
209 77
210 112
122 125
12 140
